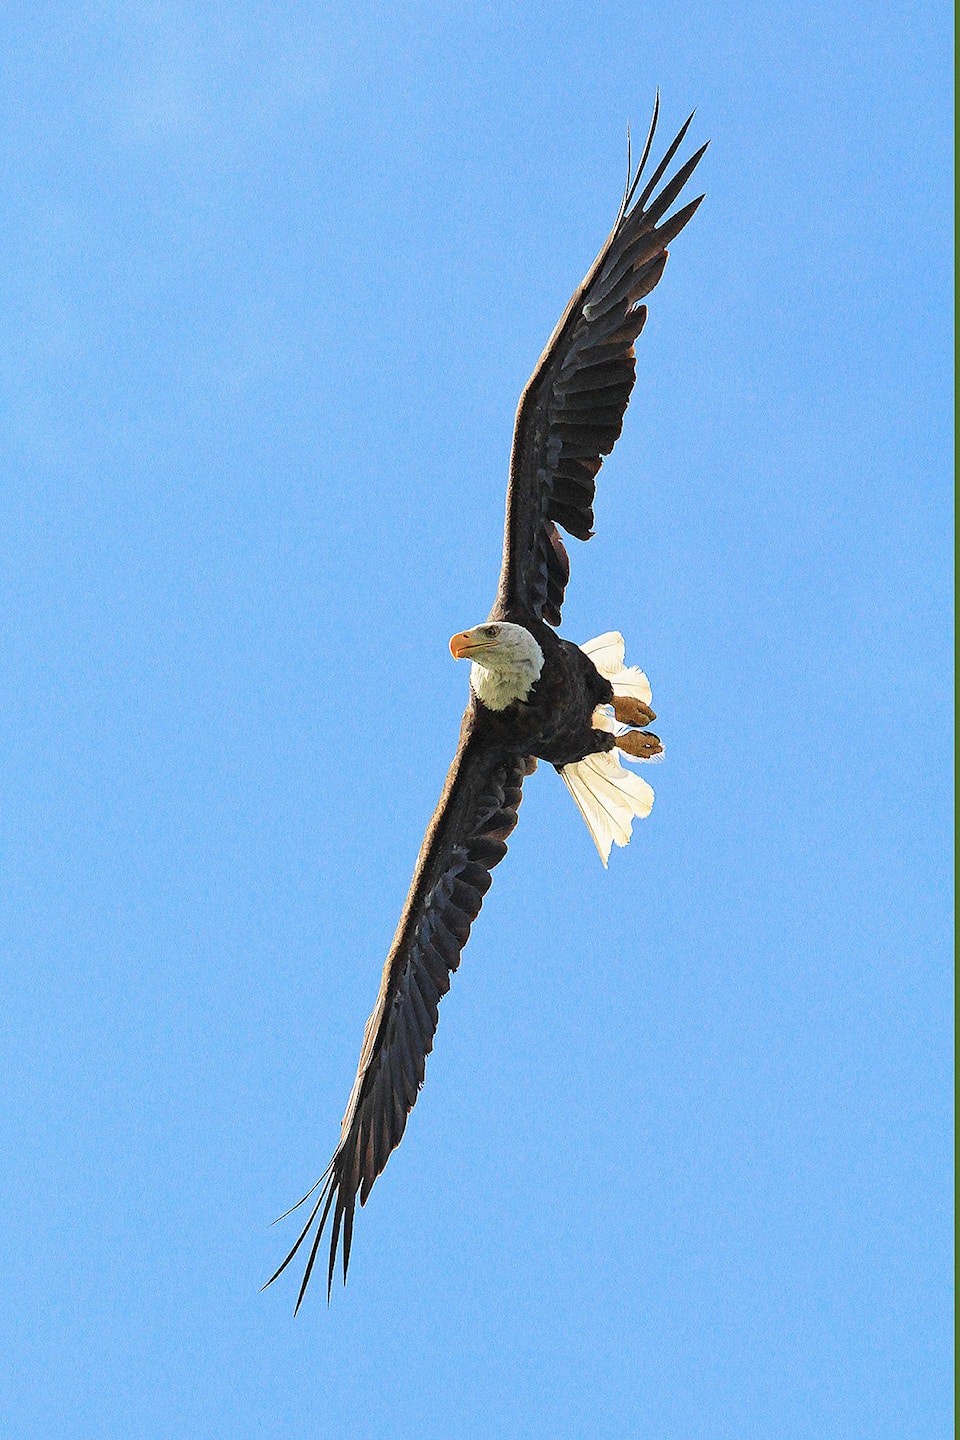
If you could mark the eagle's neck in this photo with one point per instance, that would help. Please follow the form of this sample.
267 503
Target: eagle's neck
509 674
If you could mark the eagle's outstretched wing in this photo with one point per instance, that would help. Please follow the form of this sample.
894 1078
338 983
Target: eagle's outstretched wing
465 839
571 412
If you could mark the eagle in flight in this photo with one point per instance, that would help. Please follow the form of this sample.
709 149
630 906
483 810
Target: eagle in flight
533 695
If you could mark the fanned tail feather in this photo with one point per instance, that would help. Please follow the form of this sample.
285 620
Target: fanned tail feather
608 796
606 652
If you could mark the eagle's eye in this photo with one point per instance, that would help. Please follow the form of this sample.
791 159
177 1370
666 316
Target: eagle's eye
491 631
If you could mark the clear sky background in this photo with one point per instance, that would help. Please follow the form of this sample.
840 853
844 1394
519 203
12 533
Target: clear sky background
273 278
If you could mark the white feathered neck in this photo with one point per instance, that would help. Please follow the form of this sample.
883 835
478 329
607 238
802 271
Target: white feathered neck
508 672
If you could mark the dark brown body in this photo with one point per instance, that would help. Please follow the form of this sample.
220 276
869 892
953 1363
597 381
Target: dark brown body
555 723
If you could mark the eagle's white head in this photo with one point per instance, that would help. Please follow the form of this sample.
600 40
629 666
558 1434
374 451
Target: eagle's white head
506 661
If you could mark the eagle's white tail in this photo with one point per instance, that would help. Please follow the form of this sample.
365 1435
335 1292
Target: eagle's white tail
608 796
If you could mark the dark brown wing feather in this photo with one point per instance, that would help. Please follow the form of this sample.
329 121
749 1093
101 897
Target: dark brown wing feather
571 412
465 839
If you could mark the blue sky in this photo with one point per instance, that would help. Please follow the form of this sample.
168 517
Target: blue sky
273 280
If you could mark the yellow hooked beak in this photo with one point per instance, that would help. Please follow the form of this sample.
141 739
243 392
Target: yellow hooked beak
466 642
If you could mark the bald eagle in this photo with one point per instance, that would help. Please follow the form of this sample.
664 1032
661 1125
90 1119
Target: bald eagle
533 695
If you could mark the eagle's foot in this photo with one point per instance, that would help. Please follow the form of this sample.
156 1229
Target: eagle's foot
641 744
631 711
